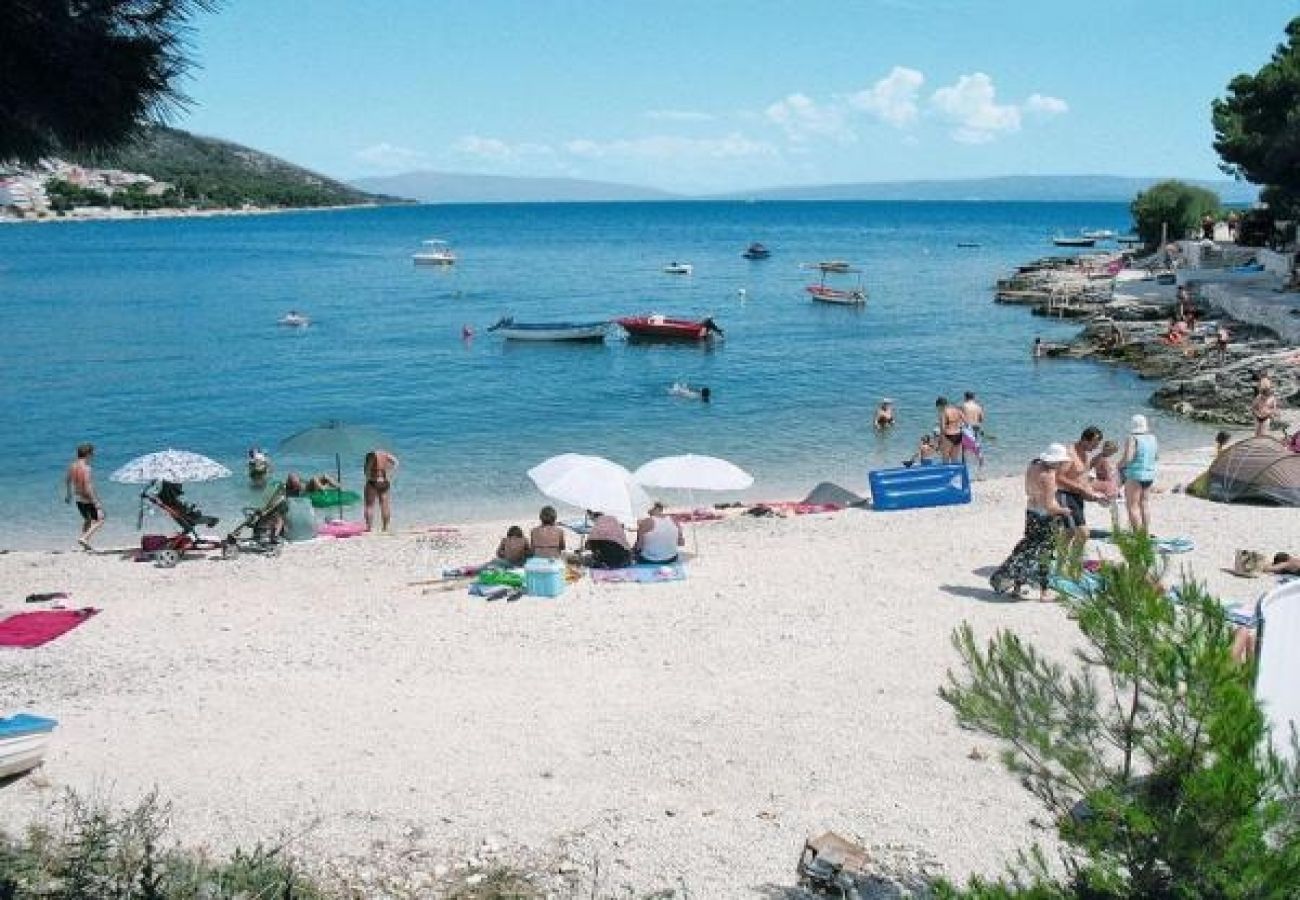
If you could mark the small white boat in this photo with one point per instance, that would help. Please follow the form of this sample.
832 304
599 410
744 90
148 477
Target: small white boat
436 253
856 295
23 742
294 319
676 268
511 330
1062 240
1099 234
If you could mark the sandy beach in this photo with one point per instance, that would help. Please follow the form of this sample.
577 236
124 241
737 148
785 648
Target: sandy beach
683 734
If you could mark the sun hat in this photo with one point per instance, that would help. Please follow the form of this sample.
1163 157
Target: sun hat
1055 453
1138 424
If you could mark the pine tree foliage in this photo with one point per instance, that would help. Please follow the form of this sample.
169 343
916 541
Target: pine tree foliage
1149 750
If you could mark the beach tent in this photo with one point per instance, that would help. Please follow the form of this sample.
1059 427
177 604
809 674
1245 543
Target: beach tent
1257 468
1279 664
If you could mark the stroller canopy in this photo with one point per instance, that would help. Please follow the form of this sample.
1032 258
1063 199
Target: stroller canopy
1259 469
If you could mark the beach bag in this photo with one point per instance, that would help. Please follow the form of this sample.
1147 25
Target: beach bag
152 543
1248 563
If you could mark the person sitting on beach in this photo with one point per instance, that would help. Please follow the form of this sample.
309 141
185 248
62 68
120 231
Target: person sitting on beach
547 539
321 482
657 538
608 543
293 486
925 453
1283 564
513 549
884 415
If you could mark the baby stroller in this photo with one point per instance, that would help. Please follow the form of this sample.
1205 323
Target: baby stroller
263 524
168 497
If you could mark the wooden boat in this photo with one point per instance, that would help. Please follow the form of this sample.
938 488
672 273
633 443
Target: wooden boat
1063 241
676 268
663 328
436 253
23 741
511 330
756 251
832 265
825 293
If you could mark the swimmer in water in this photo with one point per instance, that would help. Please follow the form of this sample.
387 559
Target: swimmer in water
682 389
885 415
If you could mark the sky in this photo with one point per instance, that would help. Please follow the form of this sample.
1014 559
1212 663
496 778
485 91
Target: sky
699 96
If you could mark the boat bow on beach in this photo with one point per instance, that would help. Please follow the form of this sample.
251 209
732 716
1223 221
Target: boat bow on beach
23 741
663 328
511 330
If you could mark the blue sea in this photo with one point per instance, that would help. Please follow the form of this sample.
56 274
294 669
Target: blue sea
144 335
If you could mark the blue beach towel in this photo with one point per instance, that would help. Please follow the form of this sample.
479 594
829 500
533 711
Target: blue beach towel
645 573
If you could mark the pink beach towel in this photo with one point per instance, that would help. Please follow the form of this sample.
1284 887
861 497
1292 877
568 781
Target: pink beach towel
31 629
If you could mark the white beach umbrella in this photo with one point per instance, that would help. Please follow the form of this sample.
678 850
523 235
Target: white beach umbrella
180 466
591 482
693 473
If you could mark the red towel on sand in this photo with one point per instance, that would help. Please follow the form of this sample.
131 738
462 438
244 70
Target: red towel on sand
31 629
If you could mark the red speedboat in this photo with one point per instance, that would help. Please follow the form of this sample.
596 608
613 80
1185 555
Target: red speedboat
662 328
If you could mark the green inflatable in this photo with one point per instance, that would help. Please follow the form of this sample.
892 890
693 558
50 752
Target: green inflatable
326 499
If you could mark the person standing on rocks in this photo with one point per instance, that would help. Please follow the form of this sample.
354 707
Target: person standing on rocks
1263 409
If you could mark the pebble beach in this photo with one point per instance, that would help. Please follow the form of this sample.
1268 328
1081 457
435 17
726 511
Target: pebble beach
687 735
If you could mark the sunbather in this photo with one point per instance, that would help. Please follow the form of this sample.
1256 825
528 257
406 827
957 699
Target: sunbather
513 549
547 539
608 543
657 538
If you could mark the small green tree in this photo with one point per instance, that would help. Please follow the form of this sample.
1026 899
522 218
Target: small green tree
1257 126
1152 755
1177 204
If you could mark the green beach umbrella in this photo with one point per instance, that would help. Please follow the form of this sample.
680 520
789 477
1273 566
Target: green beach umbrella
334 437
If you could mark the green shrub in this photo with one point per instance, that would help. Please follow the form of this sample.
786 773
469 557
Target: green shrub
1151 753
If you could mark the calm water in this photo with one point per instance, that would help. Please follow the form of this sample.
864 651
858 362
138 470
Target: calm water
144 335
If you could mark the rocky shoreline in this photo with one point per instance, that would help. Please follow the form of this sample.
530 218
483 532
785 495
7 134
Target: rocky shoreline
1126 313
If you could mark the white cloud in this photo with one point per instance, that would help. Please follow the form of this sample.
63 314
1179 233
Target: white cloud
678 115
670 147
1046 106
971 107
803 119
497 150
892 99
390 157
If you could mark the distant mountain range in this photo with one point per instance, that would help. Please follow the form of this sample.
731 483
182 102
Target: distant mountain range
448 187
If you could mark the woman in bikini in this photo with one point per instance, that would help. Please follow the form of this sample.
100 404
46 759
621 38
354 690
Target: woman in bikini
379 468
1263 409
547 539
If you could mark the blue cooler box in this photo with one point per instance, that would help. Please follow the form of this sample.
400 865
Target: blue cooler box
543 577
919 486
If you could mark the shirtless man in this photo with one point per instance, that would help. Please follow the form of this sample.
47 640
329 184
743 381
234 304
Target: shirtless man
1073 488
380 466
950 422
973 414
885 415
79 483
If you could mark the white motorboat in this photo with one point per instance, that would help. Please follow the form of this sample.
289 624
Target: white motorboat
294 319
676 268
23 742
435 253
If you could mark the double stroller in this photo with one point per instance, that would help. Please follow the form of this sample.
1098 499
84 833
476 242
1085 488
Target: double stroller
261 523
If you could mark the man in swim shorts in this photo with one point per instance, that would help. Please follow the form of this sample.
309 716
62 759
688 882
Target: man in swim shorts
79 483
379 467
1073 489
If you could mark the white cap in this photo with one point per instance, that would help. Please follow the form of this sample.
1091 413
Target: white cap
1055 453
1138 424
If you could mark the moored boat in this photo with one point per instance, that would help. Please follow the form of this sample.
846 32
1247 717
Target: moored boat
825 294
511 330
1098 234
664 328
23 741
832 265
677 268
435 253
756 251
1062 240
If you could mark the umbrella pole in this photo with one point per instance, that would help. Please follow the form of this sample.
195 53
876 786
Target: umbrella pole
695 526
338 472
